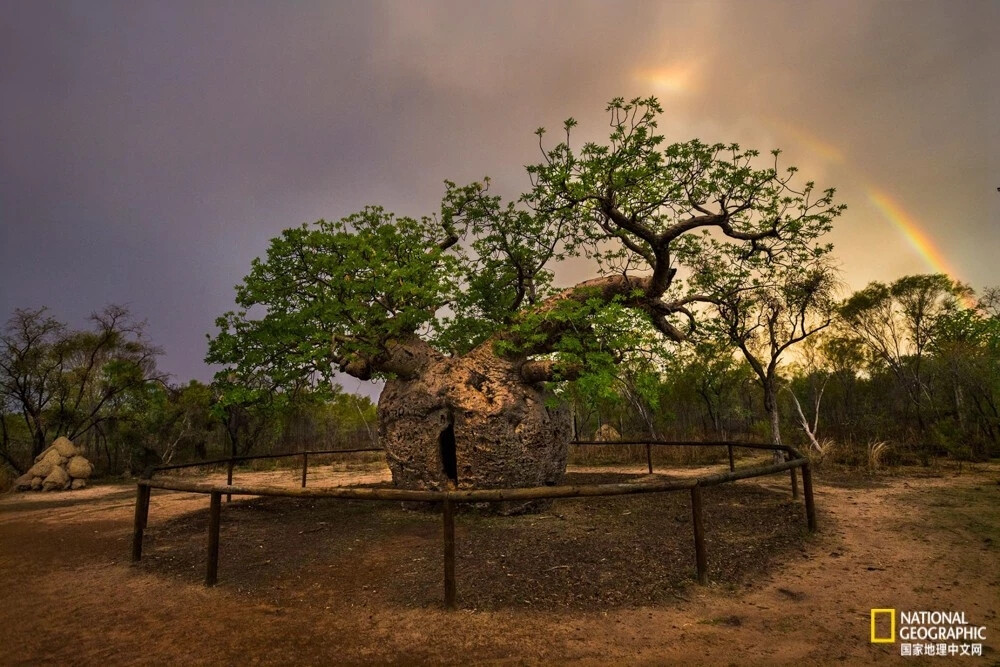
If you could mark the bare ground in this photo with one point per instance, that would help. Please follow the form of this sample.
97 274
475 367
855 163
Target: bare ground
591 580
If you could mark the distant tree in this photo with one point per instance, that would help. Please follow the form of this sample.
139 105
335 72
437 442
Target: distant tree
813 375
72 383
966 347
249 406
715 375
30 362
895 324
173 420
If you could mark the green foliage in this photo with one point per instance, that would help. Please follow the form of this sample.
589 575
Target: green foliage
81 384
339 295
335 289
504 267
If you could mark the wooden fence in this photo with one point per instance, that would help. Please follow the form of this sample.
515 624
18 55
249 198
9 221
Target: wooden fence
448 499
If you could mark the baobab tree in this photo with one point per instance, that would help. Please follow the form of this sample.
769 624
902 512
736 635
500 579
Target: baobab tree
458 313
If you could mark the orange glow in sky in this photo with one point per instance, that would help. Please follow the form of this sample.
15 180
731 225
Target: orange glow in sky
673 79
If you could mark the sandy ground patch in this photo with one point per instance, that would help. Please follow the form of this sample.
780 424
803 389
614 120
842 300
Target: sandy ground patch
909 542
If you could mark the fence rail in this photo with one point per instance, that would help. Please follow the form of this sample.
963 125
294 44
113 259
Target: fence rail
730 445
447 499
233 460
211 462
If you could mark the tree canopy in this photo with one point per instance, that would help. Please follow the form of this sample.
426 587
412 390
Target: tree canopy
373 293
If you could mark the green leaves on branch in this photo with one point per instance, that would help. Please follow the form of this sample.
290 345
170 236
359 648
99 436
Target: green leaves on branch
330 291
354 293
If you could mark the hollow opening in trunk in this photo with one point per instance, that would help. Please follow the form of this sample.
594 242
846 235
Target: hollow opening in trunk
446 445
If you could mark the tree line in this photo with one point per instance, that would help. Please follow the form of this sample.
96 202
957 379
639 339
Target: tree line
100 386
909 369
904 372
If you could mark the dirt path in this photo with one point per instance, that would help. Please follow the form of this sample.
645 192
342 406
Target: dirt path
905 542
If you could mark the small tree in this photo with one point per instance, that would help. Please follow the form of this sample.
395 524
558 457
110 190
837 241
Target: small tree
249 407
814 373
765 308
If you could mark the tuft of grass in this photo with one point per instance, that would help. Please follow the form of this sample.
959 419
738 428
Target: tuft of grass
877 452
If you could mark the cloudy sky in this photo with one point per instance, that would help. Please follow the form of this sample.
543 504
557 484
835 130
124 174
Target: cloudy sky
148 151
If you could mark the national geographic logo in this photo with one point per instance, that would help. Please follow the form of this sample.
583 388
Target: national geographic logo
886 638
931 633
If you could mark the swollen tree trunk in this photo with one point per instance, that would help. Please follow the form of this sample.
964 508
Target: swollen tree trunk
472 422
482 420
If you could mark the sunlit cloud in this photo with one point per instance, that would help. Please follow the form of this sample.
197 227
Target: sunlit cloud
675 79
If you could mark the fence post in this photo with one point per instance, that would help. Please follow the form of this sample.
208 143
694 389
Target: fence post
305 467
807 489
649 457
699 536
214 511
229 480
795 480
141 517
449 554
732 463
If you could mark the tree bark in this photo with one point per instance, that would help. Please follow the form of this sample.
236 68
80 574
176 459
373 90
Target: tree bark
771 408
473 422
406 357
481 420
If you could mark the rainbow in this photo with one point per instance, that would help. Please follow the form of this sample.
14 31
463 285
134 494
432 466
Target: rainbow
888 207
908 225
910 228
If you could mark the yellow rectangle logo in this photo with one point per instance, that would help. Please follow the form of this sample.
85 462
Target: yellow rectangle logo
892 626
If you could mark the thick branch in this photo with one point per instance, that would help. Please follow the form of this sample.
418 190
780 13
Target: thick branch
628 224
547 370
549 330
450 239
633 291
605 288
406 358
720 220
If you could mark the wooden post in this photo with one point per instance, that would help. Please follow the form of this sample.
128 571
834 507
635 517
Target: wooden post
732 463
141 517
649 457
215 510
229 480
449 555
794 476
699 536
807 489
305 467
